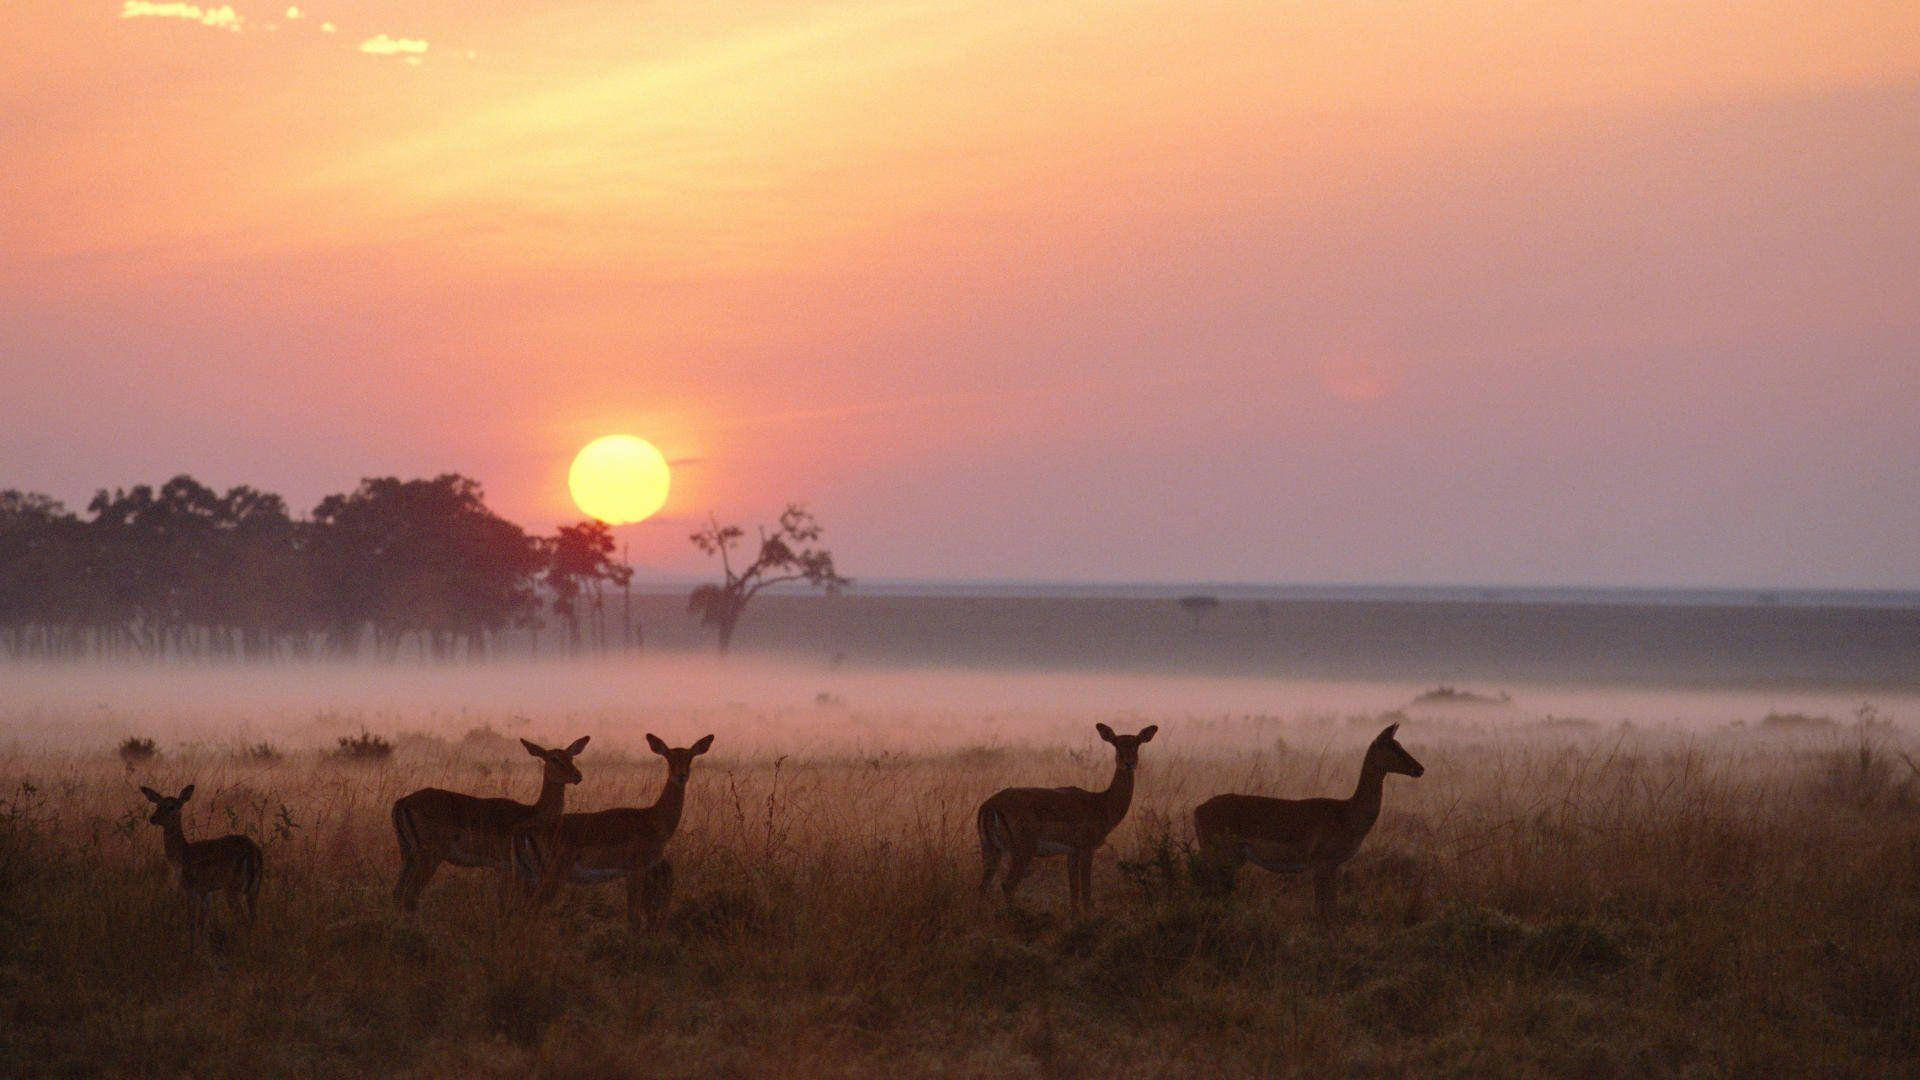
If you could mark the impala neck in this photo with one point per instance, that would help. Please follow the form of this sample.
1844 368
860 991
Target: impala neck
666 808
553 798
1364 807
1119 794
175 839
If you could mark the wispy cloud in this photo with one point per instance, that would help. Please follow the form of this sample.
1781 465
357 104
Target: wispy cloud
382 45
222 17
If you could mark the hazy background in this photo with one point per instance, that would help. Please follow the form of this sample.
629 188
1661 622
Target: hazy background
766 707
1367 291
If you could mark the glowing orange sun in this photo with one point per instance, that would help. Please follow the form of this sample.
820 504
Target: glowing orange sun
619 479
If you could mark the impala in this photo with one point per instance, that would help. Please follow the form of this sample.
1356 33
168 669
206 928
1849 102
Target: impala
1021 823
436 826
230 864
628 843
1287 836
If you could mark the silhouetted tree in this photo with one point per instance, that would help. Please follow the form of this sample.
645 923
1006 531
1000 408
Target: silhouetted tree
578 559
1199 607
787 553
41 562
184 570
420 556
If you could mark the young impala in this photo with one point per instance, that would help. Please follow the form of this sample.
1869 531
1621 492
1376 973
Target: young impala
436 826
1021 823
1287 836
230 864
626 843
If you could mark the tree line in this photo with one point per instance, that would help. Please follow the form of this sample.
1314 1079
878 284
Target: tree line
393 566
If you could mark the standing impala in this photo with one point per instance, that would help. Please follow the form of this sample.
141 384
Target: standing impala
1022 823
436 826
626 843
230 864
1287 836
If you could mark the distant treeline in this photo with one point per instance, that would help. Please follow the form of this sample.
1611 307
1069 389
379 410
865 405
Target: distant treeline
392 566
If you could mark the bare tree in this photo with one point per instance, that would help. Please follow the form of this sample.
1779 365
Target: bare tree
787 553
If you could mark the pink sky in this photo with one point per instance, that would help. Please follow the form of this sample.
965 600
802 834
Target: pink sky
1395 291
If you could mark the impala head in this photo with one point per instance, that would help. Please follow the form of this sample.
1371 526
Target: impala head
557 765
166 807
679 759
1390 756
1126 748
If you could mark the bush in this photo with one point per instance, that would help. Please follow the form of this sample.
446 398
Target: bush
261 753
135 750
364 747
1795 721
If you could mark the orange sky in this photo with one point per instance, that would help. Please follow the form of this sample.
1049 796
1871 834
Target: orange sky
1357 291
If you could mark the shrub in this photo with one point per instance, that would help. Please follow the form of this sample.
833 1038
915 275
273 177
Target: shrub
261 753
364 747
135 750
1795 721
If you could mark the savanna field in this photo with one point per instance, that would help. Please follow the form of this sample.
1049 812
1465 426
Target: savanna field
1584 895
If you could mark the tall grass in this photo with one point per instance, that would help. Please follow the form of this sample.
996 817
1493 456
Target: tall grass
1595 902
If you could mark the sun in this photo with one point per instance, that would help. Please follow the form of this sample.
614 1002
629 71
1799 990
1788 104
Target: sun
619 479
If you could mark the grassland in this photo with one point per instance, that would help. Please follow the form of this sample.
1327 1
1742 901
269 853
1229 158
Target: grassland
1559 898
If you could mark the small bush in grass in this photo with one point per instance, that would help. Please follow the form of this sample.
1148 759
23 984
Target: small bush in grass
135 750
1795 721
364 747
485 740
261 753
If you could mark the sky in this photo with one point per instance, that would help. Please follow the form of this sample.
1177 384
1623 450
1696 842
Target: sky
1391 291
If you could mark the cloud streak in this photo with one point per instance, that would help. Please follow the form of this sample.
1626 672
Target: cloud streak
221 18
382 45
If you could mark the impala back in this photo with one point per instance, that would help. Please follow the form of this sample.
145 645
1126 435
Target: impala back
600 846
1282 835
471 831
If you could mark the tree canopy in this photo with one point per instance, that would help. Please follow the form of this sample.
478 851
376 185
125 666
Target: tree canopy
788 552
187 570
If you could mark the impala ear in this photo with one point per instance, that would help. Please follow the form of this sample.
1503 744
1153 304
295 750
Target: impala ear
1106 732
579 744
1387 735
1146 733
186 793
152 795
703 745
655 744
533 748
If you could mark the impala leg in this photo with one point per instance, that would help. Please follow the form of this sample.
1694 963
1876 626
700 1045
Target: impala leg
1086 878
238 909
648 889
1324 881
550 877
990 855
504 888
1016 870
1221 863
1077 861
659 893
414 879
197 904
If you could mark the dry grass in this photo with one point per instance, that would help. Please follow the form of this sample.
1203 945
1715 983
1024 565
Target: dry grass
1591 902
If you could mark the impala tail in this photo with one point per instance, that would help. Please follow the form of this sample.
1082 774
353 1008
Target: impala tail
407 834
250 870
994 833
